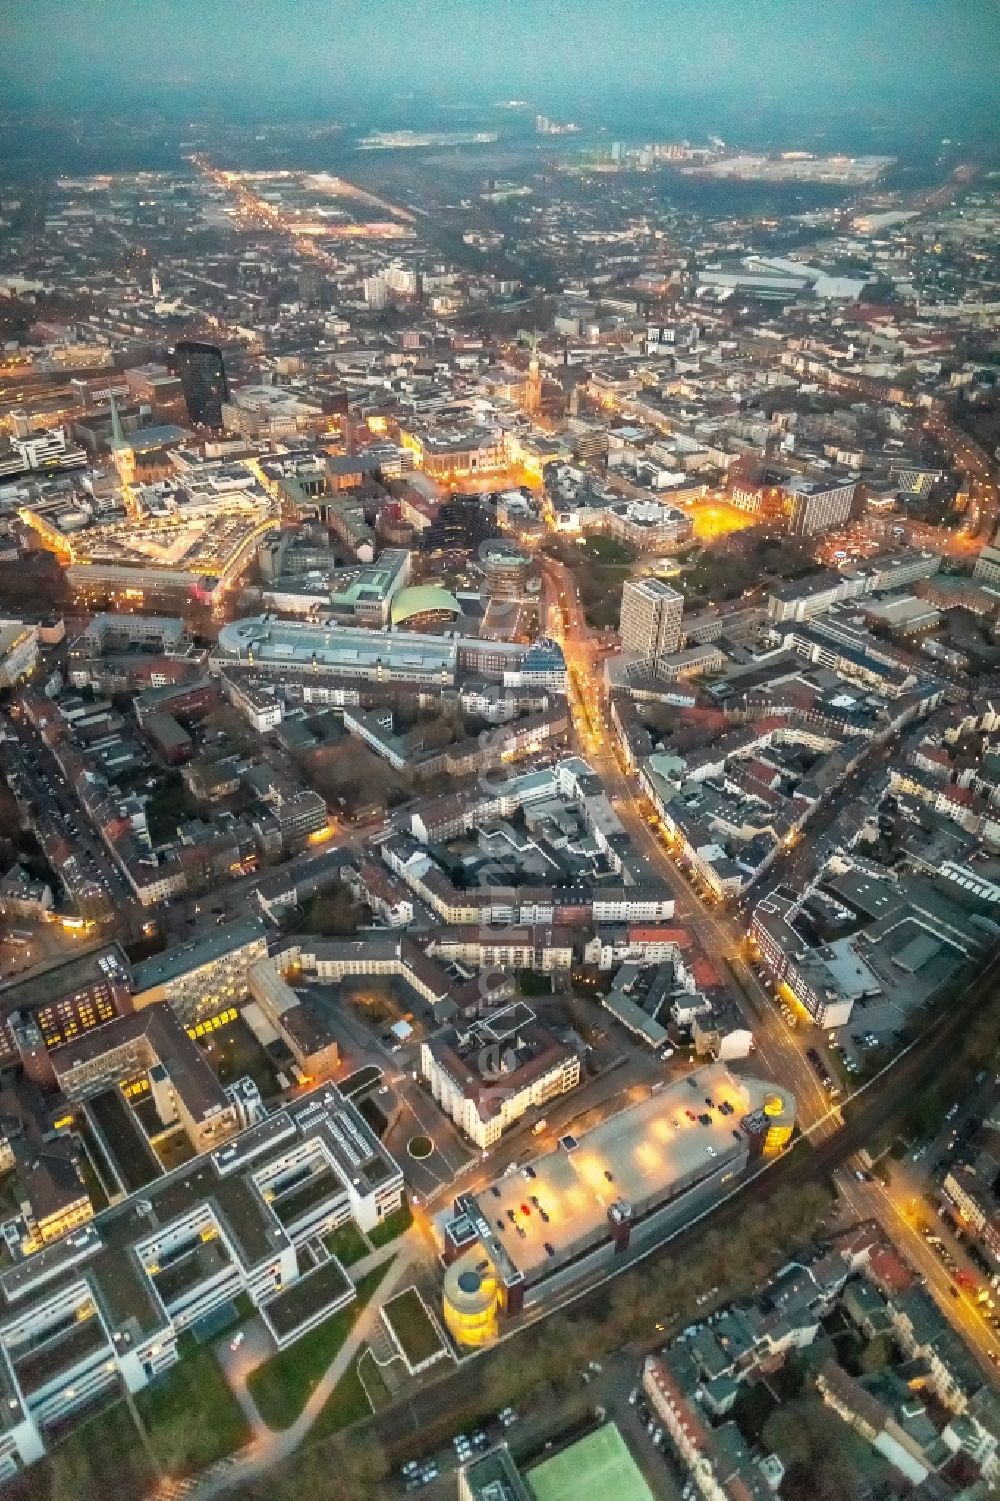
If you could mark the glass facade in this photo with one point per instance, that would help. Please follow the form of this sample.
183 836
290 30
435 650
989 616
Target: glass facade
202 375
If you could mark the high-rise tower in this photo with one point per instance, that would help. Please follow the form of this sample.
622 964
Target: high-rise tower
202 374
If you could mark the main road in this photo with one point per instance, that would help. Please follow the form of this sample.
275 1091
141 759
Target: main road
718 932
417 1425
972 459
872 1199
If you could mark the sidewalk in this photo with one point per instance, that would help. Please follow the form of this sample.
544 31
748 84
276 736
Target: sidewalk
270 1447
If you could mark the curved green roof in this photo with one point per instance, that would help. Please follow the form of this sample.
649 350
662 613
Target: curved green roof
419 599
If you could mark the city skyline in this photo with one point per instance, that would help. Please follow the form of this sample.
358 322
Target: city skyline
499 787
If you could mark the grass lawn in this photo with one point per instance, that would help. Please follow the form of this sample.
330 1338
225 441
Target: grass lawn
374 1382
191 1416
394 1224
346 1404
281 1387
356 1393
102 1456
530 983
408 1320
233 1051
347 1244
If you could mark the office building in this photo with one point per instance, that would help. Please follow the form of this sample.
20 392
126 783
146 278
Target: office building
202 375
204 976
650 620
66 1000
448 453
18 651
505 568
153 1043
45 452
301 1028
815 507
282 648
492 1477
457 526
986 573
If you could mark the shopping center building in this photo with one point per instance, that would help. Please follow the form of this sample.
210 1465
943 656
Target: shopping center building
632 1180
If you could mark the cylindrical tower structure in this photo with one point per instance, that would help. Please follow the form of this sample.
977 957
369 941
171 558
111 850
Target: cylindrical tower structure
471 1299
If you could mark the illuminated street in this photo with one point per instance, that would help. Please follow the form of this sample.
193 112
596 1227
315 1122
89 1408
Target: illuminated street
499 772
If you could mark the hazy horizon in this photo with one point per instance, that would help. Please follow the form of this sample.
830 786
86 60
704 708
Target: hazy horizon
359 57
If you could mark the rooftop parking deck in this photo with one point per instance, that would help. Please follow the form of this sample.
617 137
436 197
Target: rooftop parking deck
639 1158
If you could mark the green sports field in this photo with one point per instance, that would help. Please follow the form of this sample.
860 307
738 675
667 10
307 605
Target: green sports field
594 1469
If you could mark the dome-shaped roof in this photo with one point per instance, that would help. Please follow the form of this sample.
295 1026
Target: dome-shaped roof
422 599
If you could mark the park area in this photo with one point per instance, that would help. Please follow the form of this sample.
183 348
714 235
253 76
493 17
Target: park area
731 565
282 1386
195 1385
347 1244
600 567
100 1456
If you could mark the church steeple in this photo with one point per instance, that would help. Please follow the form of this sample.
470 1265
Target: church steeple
117 435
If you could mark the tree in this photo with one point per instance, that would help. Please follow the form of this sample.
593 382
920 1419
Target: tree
660 717
507 1382
567 1349
436 734
335 913
876 1354
807 1434
361 1462
783 1434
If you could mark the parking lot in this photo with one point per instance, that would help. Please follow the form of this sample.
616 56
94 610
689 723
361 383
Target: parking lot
598 1393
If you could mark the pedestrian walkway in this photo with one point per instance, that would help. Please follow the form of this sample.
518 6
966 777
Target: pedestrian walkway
269 1447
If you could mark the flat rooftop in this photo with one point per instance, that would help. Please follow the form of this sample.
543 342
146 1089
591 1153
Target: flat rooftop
495 1477
270 643
642 1156
104 1252
204 949
59 980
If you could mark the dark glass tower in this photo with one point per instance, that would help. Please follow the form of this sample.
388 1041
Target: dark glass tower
202 374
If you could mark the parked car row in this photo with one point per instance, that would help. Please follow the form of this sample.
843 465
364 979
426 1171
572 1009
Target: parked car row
417 1473
826 1078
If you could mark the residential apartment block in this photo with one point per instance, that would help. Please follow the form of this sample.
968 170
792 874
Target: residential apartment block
489 1075
106 1304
